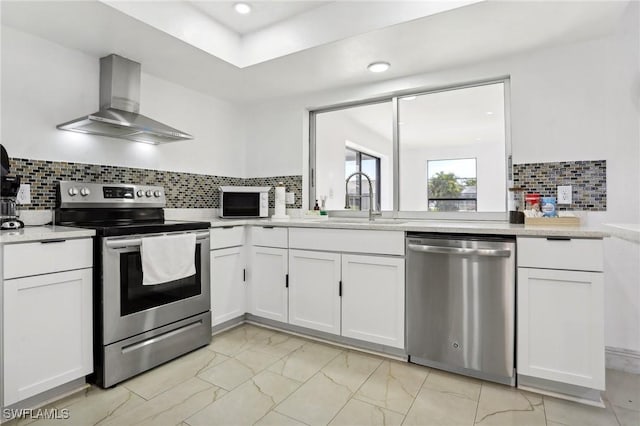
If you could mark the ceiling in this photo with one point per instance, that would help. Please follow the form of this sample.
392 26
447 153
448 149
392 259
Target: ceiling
263 13
310 50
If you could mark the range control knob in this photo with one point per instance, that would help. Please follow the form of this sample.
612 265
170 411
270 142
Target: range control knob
157 194
73 191
84 192
140 193
148 193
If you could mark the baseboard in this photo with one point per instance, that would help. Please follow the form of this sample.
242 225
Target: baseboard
626 360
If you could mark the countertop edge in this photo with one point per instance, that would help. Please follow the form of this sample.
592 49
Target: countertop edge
415 226
32 234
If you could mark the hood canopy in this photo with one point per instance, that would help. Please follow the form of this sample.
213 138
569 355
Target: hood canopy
119 115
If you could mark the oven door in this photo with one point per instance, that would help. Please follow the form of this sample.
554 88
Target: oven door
130 308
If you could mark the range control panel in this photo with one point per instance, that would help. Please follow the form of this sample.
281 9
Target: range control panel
109 195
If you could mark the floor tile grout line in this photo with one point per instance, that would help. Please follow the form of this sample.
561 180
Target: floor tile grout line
305 382
475 417
415 397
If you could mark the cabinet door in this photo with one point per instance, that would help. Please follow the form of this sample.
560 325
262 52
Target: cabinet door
314 300
561 326
227 284
47 332
267 283
373 299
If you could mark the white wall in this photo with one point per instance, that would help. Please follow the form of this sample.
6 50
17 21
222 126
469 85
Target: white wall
570 102
45 84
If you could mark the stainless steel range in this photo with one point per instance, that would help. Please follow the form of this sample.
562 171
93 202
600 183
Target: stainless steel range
137 326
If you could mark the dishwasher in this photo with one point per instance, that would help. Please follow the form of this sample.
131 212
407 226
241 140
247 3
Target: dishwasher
460 304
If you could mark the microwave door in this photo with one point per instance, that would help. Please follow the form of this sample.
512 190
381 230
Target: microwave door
241 204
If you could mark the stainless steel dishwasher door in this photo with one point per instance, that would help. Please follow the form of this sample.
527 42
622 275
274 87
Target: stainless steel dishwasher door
460 301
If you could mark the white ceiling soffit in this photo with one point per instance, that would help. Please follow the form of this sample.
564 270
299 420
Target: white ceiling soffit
467 35
263 13
302 27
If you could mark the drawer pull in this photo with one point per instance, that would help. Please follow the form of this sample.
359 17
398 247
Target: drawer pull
267 227
558 239
52 241
228 227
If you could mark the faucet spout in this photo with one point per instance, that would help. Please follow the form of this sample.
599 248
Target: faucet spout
346 193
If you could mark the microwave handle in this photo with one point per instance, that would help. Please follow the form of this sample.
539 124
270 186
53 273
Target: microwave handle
136 242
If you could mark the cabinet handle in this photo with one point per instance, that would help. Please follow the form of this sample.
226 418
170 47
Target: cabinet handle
286 281
558 239
340 289
267 227
244 275
228 227
52 241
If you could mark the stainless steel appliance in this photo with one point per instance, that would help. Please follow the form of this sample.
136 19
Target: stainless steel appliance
9 187
244 201
119 114
460 304
137 326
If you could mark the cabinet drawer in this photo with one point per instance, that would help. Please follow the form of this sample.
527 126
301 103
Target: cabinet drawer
267 236
561 253
348 240
21 260
227 237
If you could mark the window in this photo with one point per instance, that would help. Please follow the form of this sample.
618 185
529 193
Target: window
452 185
346 140
438 152
358 187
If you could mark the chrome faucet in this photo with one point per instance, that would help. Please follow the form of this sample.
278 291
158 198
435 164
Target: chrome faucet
346 195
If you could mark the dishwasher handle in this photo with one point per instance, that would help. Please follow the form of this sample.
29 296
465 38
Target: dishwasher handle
460 250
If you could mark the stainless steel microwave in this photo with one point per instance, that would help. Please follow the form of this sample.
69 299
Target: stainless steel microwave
244 201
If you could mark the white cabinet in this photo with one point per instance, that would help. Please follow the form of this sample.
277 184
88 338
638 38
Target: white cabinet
356 296
47 331
373 299
314 282
561 313
268 283
228 293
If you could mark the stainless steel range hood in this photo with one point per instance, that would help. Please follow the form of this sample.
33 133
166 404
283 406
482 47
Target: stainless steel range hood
119 115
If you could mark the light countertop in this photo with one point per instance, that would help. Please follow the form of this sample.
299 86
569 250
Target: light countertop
625 231
43 233
444 226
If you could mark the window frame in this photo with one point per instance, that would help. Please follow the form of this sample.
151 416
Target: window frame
394 99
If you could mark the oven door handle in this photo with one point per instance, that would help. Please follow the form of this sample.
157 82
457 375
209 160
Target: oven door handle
136 242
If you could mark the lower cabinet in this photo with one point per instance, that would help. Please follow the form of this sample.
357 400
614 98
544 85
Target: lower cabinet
268 295
47 332
357 296
228 289
561 326
373 299
314 300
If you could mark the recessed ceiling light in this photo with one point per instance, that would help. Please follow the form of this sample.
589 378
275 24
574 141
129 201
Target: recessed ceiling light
409 98
489 112
242 8
378 66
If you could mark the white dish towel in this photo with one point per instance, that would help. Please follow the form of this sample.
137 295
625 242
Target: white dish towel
167 258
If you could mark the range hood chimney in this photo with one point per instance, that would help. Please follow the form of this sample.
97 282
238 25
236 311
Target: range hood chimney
119 115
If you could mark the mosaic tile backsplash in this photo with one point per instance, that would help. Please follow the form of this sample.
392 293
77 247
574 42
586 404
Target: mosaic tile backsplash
588 180
183 190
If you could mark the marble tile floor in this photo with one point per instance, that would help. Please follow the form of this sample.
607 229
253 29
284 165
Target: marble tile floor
256 376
